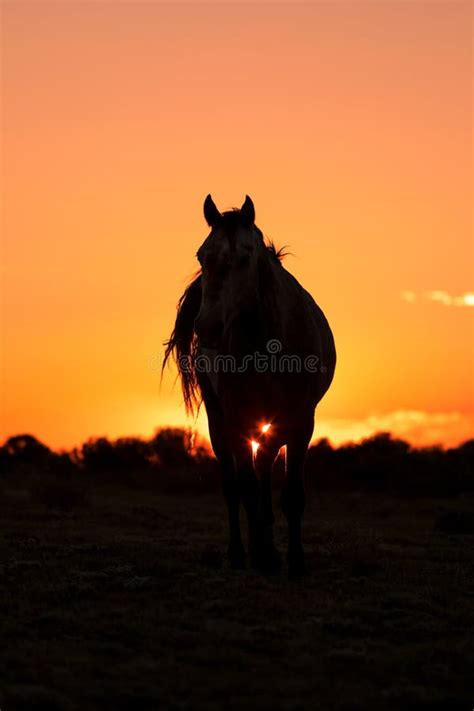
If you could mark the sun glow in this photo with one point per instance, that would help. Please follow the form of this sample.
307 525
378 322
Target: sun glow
61 157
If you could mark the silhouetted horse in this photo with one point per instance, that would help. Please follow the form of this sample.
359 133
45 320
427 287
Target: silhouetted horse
253 344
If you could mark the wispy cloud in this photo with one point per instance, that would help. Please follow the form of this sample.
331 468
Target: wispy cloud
415 426
440 297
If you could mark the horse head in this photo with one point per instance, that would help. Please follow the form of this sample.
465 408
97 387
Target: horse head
229 259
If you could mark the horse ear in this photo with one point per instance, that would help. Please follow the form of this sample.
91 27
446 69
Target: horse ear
211 213
247 212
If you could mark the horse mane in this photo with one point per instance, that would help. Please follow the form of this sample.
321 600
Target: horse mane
182 344
279 253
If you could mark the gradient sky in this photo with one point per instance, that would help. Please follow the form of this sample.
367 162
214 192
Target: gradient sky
349 124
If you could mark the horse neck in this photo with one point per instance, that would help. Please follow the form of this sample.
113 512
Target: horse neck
259 322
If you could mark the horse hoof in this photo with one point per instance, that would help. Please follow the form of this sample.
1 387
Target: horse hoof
271 564
297 570
296 565
237 558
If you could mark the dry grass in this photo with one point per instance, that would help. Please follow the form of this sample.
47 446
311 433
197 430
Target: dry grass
126 601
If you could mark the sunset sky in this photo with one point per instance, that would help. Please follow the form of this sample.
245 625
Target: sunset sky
348 123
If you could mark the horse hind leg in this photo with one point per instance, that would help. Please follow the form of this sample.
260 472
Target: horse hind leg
293 496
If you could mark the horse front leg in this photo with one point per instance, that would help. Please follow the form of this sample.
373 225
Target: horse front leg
268 558
231 491
256 495
249 495
230 483
293 496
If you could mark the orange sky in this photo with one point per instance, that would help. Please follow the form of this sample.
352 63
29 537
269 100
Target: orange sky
349 124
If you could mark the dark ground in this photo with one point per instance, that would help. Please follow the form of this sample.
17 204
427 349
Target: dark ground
126 602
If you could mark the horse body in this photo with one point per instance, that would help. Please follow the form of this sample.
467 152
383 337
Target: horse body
255 347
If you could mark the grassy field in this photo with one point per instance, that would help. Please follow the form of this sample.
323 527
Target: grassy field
124 600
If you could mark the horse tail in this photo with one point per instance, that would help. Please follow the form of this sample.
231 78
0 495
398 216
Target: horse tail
182 344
